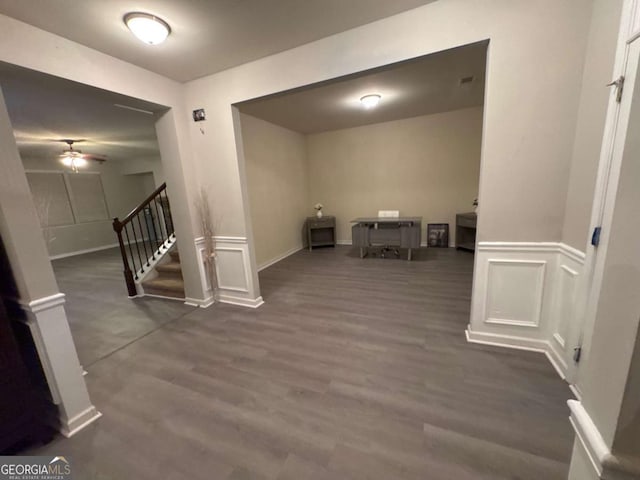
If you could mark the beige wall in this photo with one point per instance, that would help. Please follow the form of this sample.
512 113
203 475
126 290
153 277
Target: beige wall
533 87
277 181
424 166
122 193
598 71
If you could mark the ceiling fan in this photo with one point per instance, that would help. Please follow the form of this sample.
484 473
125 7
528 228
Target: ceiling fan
75 158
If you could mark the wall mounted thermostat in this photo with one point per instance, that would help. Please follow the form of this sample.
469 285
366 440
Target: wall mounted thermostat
198 115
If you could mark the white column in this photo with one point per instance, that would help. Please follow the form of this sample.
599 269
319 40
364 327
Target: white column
37 287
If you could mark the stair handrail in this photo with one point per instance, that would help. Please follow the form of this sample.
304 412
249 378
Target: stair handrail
158 224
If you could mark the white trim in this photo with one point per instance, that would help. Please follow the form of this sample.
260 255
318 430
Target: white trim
241 251
45 303
507 341
80 421
279 258
241 301
536 247
516 343
588 435
535 323
195 302
224 239
556 361
573 253
82 252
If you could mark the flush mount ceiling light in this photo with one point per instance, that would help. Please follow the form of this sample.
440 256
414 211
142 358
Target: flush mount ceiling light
370 101
148 28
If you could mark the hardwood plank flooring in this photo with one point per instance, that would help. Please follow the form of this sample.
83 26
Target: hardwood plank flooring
101 317
353 369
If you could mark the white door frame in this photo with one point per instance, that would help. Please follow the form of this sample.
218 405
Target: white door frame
606 183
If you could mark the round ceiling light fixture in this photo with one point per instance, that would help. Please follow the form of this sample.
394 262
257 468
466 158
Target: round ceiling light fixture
148 28
370 101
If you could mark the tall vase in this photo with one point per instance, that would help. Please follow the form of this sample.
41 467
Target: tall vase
319 213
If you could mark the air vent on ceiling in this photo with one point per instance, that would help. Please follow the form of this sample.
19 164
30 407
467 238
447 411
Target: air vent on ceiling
466 80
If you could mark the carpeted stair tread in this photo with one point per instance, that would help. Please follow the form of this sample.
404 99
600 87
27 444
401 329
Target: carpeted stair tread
175 255
171 268
165 286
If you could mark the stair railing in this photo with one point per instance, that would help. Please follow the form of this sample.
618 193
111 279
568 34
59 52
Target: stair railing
144 234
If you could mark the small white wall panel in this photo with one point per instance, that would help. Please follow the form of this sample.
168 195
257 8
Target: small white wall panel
231 269
514 292
566 299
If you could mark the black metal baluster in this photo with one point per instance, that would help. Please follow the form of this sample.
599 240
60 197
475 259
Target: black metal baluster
133 258
162 234
144 245
151 241
135 239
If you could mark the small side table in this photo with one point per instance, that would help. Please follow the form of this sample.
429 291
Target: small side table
321 232
466 231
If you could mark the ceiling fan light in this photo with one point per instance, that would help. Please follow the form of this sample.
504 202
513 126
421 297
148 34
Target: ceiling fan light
67 161
148 28
80 162
370 101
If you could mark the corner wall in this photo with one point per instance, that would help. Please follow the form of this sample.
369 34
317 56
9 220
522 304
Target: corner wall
278 187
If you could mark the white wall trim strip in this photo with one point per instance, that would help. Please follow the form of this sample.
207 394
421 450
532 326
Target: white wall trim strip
280 257
588 435
45 303
241 301
80 421
194 302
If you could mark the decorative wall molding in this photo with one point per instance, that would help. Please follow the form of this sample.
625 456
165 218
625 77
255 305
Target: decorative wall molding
233 273
588 435
44 303
513 308
525 297
80 421
279 258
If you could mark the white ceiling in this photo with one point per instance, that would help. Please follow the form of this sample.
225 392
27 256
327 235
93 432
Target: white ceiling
422 86
43 109
207 35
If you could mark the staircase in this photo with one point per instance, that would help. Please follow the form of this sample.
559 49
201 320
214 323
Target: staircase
148 248
168 282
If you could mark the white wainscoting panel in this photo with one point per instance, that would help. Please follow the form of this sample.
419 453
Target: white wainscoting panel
514 292
524 297
233 272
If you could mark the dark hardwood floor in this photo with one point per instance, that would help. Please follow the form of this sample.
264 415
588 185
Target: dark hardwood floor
353 369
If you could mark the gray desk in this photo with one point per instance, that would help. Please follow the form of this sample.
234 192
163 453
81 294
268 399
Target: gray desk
400 232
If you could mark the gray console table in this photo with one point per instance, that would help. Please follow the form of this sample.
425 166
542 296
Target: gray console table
400 232
466 231
321 232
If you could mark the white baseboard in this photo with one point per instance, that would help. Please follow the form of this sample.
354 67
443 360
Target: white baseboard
82 252
240 301
196 302
506 341
279 258
79 422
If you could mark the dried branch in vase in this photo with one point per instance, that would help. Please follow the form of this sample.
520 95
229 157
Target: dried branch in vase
207 228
